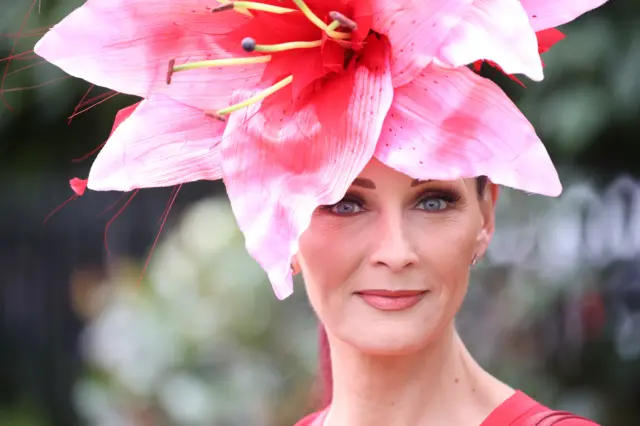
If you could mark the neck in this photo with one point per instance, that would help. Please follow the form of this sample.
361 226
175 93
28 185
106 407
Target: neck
440 384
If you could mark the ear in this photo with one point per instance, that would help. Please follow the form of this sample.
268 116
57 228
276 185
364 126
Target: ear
295 265
488 202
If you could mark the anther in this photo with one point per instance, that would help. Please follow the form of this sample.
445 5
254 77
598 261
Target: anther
248 44
223 8
343 20
172 62
215 115
319 22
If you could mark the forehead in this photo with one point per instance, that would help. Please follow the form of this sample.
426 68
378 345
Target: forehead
377 172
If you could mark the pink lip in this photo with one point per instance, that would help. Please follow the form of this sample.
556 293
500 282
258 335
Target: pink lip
385 300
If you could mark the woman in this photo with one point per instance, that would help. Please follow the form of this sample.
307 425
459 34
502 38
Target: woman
400 252
297 103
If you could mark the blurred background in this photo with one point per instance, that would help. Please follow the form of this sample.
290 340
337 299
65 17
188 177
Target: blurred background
94 330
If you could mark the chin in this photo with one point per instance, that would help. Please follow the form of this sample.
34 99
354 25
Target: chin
390 336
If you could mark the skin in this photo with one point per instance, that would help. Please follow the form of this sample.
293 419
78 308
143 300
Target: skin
393 233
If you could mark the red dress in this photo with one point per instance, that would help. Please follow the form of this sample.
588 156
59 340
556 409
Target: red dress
518 410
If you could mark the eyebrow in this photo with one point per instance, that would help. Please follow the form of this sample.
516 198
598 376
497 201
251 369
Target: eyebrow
417 182
364 183
369 184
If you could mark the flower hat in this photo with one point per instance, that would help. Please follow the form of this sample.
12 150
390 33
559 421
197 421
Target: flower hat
288 100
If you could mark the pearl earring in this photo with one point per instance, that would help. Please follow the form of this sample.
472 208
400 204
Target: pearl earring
474 261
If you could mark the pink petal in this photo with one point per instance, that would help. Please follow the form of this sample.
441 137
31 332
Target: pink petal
545 14
451 123
123 114
280 163
416 30
162 143
457 32
126 45
497 31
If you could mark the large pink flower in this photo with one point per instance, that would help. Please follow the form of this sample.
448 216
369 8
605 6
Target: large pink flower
287 101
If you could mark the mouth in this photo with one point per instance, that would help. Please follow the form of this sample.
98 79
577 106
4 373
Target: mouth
385 300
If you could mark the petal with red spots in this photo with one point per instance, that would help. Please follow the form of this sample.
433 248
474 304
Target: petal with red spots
451 123
544 14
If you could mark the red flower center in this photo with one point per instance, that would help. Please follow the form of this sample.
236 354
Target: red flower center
301 45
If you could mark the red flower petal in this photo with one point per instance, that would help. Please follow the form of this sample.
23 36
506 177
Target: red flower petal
547 38
79 186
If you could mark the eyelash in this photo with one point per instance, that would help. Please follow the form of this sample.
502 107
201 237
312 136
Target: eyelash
450 196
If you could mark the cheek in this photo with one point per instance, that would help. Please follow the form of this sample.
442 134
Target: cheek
331 252
447 245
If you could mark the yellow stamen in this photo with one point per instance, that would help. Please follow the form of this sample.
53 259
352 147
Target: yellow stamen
256 98
240 6
281 47
318 22
173 68
333 26
337 35
222 63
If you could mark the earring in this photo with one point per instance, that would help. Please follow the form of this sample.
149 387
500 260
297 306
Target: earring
474 261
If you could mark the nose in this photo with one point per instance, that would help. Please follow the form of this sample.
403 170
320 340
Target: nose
393 245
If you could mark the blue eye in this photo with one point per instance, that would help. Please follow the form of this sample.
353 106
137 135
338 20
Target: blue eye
433 204
346 207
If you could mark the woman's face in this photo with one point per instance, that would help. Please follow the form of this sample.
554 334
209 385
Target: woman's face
386 268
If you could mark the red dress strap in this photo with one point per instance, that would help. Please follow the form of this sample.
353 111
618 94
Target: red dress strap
522 410
517 406
558 418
